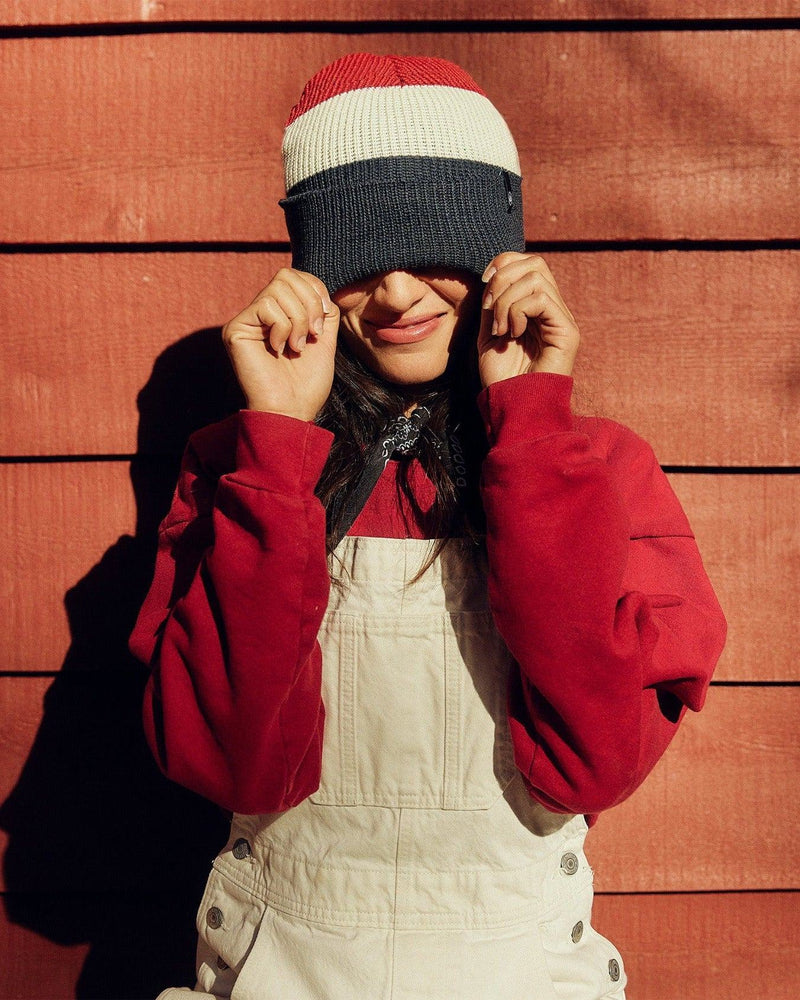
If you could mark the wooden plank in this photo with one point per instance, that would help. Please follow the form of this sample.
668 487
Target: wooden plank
694 947
132 355
110 823
73 569
706 819
705 947
177 136
668 345
33 966
133 352
35 12
746 529
53 947
73 573
713 813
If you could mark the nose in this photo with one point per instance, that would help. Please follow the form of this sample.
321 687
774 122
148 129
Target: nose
398 291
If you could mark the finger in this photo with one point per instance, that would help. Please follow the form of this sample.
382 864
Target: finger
275 324
513 267
539 308
485 339
548 328
518 263
514 264
312 294
319 286
255 322
518 269
532 286
296 312
501 260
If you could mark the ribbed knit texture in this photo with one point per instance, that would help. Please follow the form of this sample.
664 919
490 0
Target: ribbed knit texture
398 162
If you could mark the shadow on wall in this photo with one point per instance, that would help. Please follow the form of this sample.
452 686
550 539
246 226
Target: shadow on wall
102 849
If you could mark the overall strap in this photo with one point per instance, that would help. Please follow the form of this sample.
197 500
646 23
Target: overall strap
399 437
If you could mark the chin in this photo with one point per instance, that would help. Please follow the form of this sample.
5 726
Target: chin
410 373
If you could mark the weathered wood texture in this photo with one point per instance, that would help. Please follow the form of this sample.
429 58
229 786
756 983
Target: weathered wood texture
34 12
705 947
673 346
686 135
675 947
70 564
172 135
708 947
54 584
696 825
746 529
711 813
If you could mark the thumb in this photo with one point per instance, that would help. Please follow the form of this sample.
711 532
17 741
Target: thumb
330 322
485 337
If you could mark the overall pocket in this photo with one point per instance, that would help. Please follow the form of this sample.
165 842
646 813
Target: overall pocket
415 711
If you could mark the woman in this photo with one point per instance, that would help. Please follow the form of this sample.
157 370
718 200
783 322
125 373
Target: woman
412 621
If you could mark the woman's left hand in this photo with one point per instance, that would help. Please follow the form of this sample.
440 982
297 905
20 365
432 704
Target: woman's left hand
525 324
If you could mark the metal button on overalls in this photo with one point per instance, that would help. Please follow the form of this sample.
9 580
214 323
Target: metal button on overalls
421 869
241 849
569 863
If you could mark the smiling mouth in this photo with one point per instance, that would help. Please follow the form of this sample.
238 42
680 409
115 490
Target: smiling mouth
406 331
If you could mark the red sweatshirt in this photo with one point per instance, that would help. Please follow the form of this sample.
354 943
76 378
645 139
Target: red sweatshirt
595 584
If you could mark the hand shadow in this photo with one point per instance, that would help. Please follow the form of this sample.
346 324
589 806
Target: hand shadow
102 848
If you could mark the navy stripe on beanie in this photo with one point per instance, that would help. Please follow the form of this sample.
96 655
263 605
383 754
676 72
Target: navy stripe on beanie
404 212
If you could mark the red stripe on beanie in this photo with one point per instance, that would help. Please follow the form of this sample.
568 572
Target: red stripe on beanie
364 69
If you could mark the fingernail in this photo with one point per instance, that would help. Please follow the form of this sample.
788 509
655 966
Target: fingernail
327 308
488 300
487 274
319 327
281 349
301 343
494 328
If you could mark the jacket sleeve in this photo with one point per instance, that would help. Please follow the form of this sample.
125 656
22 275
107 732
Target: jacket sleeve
233 705
598 590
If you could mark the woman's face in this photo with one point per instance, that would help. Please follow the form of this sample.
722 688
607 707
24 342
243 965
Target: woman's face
403 324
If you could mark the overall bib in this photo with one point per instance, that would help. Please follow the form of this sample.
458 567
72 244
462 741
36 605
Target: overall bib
421 869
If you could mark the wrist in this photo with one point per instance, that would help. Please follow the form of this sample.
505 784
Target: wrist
256 405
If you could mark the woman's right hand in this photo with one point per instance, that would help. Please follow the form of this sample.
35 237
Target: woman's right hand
282 346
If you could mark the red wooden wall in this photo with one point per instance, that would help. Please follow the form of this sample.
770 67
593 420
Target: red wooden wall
138 209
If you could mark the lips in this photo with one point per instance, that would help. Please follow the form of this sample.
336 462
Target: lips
408 330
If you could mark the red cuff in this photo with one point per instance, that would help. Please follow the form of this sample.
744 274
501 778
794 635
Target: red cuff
279 453
526 406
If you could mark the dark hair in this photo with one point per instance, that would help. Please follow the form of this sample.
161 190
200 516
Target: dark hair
450 448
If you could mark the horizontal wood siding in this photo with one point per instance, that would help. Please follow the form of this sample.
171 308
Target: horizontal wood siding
715 766
63 12
139 178
684 136
72 540
712 946
670 341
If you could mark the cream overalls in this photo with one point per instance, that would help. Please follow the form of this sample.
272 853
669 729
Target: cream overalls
421 869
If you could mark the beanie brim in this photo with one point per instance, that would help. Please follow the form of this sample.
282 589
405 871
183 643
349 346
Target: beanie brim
394 213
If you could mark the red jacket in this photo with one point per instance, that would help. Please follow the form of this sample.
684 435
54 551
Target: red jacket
595 584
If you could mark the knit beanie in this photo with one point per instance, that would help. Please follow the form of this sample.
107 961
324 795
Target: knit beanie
395 162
